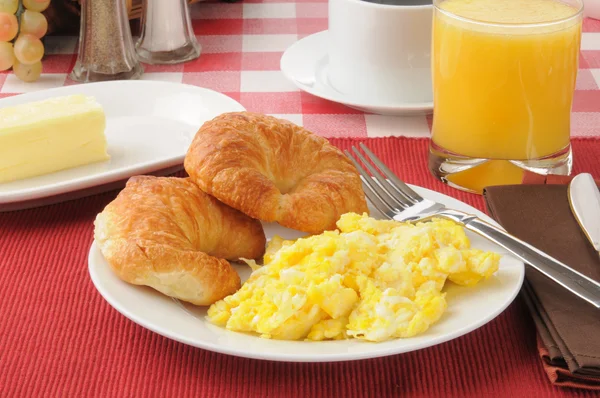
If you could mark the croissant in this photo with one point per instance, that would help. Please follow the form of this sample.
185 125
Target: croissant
273 170
166 233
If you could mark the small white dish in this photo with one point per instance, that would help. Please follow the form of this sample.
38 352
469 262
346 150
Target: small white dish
468 309
149 127
305 63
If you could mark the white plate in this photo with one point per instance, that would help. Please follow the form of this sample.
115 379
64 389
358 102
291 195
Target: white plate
305 64
468 309
149 126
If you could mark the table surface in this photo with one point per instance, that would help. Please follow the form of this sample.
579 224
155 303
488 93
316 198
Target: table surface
241 47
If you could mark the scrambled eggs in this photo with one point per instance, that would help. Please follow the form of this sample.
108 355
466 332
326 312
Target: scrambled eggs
370 279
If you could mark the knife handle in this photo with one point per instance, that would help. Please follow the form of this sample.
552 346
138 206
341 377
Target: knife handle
579 284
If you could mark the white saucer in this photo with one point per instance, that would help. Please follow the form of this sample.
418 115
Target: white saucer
305 64
149 127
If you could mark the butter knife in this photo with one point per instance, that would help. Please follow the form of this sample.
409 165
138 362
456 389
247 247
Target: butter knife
584 198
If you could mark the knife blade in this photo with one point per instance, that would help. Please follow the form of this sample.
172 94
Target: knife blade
584 199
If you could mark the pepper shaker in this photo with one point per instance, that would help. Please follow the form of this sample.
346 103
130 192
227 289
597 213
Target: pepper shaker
106 50
166 35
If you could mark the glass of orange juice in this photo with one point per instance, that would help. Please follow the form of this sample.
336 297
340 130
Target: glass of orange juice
503 81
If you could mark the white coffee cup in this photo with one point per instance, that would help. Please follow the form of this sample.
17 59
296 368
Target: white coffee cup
381 53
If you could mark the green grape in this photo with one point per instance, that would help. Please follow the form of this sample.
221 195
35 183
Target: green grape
37 5
28 49
8 26
9 6
7 56
34 23
27 73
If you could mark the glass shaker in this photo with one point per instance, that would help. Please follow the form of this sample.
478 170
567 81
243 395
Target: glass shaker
166 35
106 50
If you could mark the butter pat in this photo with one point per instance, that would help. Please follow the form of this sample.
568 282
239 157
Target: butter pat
51 135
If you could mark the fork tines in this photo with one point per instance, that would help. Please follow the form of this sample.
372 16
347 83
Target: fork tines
385 190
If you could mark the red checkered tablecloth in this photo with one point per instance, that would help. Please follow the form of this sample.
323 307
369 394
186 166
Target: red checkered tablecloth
241 47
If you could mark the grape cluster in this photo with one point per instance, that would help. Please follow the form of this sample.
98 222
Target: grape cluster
22 25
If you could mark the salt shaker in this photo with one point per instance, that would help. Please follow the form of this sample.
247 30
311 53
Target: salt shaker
166 35
106 50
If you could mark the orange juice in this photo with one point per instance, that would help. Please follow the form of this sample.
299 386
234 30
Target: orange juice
504 75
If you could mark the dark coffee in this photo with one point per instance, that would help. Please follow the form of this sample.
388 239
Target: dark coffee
400 2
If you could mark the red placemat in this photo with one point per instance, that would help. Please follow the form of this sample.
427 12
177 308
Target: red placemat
58 337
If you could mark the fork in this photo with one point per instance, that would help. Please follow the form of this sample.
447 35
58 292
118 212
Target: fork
397 201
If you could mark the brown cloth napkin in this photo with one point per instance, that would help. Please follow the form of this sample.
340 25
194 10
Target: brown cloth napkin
568 327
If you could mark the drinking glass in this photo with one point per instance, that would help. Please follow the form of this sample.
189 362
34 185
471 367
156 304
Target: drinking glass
504 75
